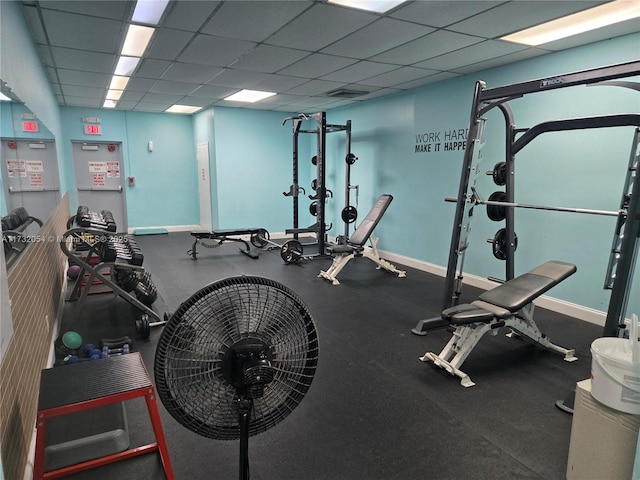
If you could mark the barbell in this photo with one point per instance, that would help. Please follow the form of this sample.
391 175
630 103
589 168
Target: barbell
500 204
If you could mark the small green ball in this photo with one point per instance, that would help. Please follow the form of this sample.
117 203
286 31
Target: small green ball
72 340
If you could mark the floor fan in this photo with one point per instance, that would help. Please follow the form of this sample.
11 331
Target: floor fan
235 359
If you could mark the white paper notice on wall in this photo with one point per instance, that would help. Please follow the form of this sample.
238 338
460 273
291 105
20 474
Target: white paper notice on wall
16 168
97 167
35 180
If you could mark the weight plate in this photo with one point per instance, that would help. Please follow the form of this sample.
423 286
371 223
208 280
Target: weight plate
500 173
313 208
291 251
314 160
497 213
260 239
349 214
499 244
314 184
351 158
143 329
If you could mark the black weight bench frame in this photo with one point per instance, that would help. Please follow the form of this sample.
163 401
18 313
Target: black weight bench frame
222 236
508 305
355 247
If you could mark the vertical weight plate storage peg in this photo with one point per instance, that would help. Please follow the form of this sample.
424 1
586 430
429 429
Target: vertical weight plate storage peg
351 158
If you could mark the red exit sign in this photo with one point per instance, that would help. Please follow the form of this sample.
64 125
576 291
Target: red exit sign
93 130
29 126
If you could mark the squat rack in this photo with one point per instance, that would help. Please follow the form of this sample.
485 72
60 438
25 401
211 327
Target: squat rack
322 128
626 245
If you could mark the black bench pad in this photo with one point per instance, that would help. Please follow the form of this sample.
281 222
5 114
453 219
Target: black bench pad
465 314
518 292
224 233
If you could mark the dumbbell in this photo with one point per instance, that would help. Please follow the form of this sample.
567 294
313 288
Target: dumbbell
109 352
71 359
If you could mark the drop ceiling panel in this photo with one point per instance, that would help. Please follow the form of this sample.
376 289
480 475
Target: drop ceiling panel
252 20
83 101
189 15
83 61
513 16
176 88
131 96
470 55
317 65
320 26
269 59
217 51
152 68
377 37
150 107
440 13
213 91
432 45
239 79
88 79
400 75
161 98
277 83
315 87
139 84
82 32
77 91
35 25
168 43
113 9
358 71
190 72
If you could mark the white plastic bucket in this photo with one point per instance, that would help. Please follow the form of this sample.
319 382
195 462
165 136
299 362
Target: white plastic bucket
615 371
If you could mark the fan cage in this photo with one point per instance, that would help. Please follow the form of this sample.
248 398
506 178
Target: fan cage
188 363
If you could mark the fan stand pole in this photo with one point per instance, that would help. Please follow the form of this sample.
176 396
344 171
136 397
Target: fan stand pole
244 412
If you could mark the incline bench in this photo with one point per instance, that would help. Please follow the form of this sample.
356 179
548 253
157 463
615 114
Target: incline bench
508 305
355 247
14 226
224 236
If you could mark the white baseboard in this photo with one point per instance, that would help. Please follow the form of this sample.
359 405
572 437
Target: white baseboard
590 315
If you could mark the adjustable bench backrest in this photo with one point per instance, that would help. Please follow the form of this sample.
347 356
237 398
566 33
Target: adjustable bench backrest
368 225
522 290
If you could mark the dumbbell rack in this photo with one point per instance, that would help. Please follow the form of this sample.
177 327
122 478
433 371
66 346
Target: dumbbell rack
104 258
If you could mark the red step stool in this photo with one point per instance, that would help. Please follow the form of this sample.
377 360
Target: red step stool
70 389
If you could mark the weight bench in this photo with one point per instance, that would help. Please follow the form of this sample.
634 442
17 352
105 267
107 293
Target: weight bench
355 247
508 305
224 236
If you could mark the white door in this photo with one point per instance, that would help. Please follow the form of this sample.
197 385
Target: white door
204 185
100 180
31 178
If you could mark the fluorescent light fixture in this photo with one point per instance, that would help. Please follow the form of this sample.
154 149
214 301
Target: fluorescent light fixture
114 94
118 82
580 22
182 109
379 6
137 39
126 66
109 104
4 98
149 11
249 96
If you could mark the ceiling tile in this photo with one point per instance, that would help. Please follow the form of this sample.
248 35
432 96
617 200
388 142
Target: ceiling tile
604 33
236 78
83 101
317 65
277 83
151 107
252 20
213 91
35 25
44 52
513 16
197 101
152 68
87 79
190 72
495 62
167 43
114 9
77 91
440 13
269 59
377 37
438 77
81 60
218 51
131 96
161 98
138 84
282 99
82 32
189 15
358 71
125 105
475 53
315 87
400 75
175 88
319 26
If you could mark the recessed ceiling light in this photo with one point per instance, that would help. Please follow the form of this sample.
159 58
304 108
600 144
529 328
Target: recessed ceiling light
118 82
182 109
4 98
114 94
379 6
149 11
137 39
249 96
580 22
109 104
126 66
